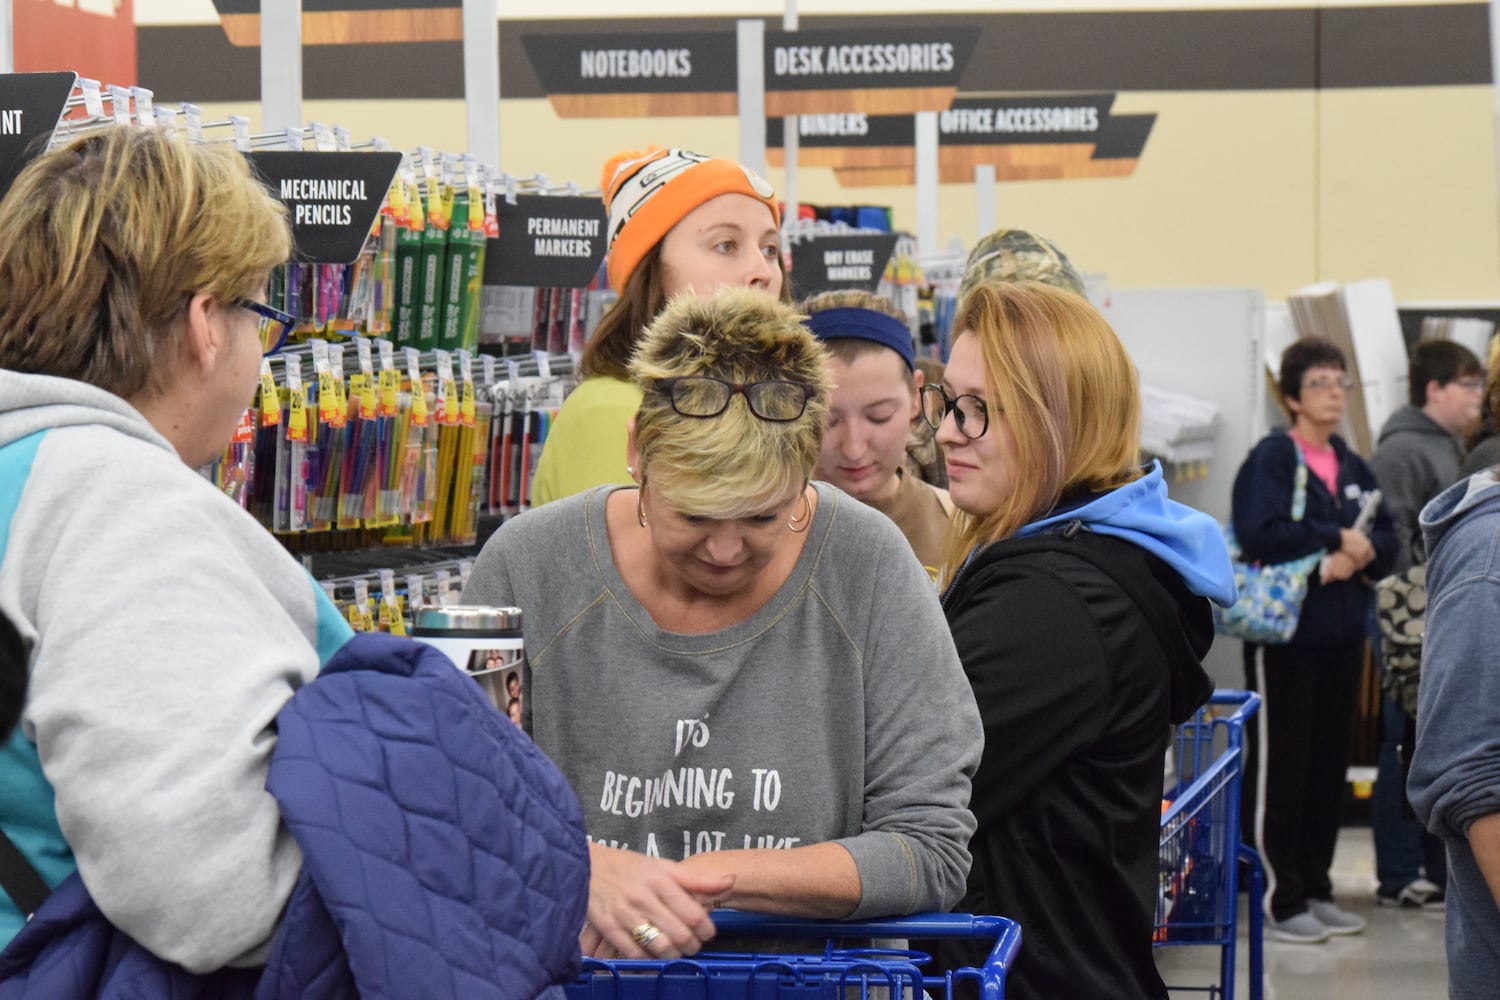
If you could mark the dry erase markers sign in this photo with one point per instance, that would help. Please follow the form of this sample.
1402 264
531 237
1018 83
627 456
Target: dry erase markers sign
31 104
331 198
840 263
546 241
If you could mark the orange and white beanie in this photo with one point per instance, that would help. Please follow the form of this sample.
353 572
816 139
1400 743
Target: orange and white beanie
648 193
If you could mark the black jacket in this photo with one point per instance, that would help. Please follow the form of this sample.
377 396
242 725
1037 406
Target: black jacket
1082 650
1338 613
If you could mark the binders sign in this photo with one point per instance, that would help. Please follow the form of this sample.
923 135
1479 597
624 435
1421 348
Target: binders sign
31 105
840 263
547 241
332 198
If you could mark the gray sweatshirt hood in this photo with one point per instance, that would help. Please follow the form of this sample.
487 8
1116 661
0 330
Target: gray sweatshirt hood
1411 420
1479 490
32 403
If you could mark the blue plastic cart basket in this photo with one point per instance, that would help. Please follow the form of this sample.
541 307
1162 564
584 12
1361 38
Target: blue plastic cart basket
834 973
1198 898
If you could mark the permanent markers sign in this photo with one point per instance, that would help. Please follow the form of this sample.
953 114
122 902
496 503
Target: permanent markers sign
841 263
547 241
332 198
31 105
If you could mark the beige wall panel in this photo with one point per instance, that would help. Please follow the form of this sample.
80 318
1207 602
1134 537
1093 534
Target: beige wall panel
1408 191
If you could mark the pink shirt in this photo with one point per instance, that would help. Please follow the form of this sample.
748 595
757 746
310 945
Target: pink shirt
1322 460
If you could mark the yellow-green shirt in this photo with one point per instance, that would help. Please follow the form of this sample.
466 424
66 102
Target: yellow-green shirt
585 445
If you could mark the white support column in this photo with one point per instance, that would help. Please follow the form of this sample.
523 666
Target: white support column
752 93
482 79
1495 78
280 64
791 137
927 182
7 38
984 198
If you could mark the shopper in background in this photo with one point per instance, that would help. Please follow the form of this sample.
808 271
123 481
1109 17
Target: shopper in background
1417 457
924 458
1453 783
679 222
745 675
1077 597
870 413
1484 443
1019 255
1308 686
133 272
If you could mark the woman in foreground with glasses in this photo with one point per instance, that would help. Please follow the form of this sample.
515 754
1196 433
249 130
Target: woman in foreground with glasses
746 676
1309 686
1078 598
131 269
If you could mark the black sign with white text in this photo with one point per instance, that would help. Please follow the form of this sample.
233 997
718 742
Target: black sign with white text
332 198
866 59
658 62
31 105
547 241
839 263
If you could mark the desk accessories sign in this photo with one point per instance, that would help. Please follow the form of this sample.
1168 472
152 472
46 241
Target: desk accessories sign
879 71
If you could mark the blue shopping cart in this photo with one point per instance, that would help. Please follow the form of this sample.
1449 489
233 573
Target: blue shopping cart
837 972
1198 900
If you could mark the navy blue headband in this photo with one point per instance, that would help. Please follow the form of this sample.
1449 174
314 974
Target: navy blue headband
864 324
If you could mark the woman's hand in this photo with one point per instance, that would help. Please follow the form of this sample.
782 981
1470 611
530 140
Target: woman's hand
1338 566
628 890
1357 546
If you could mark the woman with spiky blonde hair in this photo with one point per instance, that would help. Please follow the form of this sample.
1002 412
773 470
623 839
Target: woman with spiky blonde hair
724 657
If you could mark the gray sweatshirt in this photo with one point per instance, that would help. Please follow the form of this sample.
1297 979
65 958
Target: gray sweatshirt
837 712
1414 461
1455 768
166 628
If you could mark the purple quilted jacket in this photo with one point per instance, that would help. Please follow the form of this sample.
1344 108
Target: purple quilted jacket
443 856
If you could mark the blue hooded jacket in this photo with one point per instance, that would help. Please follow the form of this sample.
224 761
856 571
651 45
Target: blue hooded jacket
443 856
1187 540
1455 770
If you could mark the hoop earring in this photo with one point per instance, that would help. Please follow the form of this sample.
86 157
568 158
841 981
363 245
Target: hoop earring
805 520
640 497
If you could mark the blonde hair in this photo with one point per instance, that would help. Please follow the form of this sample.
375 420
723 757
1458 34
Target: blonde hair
1059 378
104 240
734 464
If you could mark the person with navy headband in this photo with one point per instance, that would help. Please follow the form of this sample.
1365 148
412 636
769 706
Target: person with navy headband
871 414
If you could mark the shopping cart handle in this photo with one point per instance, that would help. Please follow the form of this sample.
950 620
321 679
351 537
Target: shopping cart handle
1005 933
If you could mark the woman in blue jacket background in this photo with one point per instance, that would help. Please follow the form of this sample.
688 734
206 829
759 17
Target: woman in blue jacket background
1309 686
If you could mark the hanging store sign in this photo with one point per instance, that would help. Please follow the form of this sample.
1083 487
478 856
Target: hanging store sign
649 74
547 241
841 263
1024 138
636 75
31 105
876 71
332 198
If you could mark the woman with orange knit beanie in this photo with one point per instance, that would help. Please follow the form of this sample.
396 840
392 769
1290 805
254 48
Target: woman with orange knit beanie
679 222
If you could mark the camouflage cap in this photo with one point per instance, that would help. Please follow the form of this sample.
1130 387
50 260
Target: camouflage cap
1018 255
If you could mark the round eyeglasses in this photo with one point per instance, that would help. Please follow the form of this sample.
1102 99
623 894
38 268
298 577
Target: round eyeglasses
970 414
275 325
775 400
